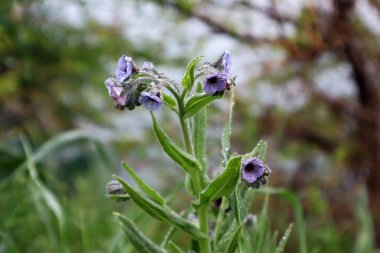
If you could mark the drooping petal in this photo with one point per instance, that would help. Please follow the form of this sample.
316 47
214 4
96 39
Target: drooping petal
151 101
115 90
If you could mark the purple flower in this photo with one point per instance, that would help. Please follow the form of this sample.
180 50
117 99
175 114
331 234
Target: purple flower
115 90
152 101
214 84
223 64
251 170
124 69
226 63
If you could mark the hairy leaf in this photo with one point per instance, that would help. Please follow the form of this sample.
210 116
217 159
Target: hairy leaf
227 131
223 185
184 160
234 240
159 212
149 191
281 246
198 102
259 151
173 248
141 243
170 102
188 79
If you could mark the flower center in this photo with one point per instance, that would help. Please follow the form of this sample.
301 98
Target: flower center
250 167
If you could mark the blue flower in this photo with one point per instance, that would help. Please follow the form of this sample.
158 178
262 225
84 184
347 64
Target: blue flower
116 92
152 101
226 63
215 84
251 170
124 69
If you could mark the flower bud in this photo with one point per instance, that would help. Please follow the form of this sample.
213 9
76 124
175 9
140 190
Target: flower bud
113 187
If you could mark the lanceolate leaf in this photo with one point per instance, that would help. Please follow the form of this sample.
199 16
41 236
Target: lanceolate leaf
188 79
281 246
234 240
46 195
259 151
223 185
184 160
199 137
149 191
141 243
170 102
159 212
173 248
197 103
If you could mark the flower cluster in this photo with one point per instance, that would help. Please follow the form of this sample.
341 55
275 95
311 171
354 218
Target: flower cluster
254 172
131 87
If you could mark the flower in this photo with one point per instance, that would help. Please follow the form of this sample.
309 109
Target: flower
215 84
251 170
124 69
219 79
116 92
152 101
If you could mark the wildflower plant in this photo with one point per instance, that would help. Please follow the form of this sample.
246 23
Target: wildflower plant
220 206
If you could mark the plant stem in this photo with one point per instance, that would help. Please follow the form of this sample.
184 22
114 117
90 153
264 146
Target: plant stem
203 226
202 212
219 220
186 135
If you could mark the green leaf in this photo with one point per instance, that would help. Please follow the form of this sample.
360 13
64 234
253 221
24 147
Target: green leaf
119 197
234 241
173 248
227 131
167 236
259 151
223 185
141 243
184 160
199 138
149 191
170 102
298 213
263 227
197 102
281 246
273 242
47 196
189 78
161 213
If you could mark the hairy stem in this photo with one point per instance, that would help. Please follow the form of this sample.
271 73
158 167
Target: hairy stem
202 212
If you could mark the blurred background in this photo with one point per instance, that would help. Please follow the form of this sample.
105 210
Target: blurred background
308 83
